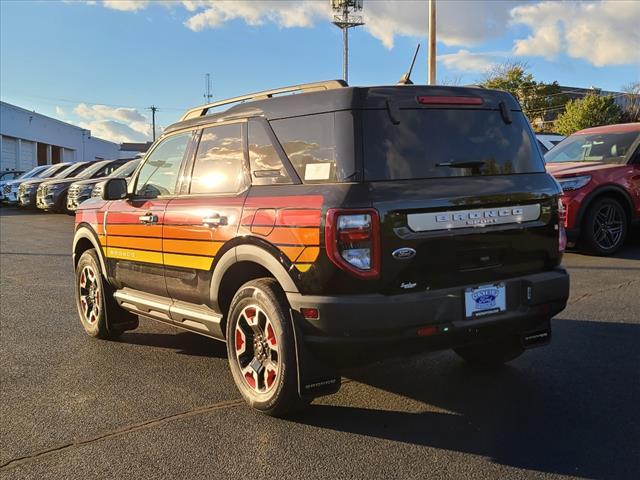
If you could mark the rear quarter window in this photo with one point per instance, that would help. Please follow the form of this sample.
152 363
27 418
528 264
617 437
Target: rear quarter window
310 145
425 138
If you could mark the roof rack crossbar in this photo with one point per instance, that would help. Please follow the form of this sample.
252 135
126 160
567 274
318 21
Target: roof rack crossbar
202 110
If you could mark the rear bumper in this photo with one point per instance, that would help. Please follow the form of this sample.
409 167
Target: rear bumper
361 322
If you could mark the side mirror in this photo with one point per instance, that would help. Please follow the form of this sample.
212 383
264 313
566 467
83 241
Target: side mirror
114 189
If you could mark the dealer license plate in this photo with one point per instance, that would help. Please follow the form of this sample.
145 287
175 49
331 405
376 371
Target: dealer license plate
485 300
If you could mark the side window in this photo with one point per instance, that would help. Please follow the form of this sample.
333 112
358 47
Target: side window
310 144
219 165
266 166
159 174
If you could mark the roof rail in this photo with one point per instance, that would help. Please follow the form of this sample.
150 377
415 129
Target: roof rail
202 110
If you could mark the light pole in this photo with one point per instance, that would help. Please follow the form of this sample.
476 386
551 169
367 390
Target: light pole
432 42
344 19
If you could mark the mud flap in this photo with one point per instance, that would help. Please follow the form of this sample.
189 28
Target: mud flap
315 378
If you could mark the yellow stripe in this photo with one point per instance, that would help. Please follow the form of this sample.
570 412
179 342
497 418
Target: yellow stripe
188 261
303 267
186 246
134 255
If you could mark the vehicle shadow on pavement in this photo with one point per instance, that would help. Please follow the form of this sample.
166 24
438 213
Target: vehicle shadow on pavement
580 417
184 343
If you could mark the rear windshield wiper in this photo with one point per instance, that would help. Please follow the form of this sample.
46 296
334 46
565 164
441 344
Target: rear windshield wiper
462 164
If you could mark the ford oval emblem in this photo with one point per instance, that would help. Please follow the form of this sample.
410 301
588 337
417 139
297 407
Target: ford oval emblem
404 253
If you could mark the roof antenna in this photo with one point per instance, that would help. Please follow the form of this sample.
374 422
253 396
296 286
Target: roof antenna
406 78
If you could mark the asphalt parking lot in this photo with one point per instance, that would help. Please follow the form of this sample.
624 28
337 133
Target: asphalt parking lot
160 403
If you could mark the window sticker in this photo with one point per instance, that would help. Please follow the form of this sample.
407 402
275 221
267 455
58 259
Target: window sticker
317 171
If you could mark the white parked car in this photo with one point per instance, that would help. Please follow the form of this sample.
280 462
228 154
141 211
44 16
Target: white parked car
548 140
9 187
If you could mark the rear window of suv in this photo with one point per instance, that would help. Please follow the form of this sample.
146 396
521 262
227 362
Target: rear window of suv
425 138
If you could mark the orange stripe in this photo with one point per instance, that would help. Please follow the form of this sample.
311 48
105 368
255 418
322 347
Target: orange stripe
309 255
186 246
135 230
136 243
187 233
102 239
292 252
298 236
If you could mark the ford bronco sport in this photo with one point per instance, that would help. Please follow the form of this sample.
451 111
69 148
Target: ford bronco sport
338 222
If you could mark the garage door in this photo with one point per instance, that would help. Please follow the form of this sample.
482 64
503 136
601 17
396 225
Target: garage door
27 155
68 155
8 158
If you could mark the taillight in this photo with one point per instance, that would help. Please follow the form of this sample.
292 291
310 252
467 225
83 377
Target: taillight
449 100
352 238
562 222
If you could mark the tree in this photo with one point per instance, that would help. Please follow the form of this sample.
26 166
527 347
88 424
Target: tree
590 111
631 103
539 100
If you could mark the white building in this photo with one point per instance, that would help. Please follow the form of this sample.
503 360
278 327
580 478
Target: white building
28 139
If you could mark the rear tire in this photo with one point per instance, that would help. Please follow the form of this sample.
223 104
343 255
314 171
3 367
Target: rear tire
261 350
491 354
100 315
605 228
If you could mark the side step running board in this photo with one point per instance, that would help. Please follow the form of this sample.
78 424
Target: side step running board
195 318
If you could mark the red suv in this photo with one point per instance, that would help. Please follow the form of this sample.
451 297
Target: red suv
599 171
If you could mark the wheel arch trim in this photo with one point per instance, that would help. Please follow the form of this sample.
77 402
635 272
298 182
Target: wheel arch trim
84 231
253 254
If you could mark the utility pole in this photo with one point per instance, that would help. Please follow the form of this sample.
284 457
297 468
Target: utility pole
153 109
432 43
345 19
207 88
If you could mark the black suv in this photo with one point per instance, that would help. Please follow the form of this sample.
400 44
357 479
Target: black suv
336 224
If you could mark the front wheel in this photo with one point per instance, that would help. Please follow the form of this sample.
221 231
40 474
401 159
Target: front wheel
492 353
100 315
605 227
261 350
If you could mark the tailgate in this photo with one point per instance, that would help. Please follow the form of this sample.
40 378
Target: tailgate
438 233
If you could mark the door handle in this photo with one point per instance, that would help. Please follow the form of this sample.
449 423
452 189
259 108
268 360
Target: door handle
214 220
149 218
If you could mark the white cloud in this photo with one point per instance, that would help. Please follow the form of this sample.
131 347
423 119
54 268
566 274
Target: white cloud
287 14
59 111
126 5
466 61
602 33
115 124
460 22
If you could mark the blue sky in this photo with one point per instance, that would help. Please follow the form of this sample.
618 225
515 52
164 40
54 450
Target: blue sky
101 64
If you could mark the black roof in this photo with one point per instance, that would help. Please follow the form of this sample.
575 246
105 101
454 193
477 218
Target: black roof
346 98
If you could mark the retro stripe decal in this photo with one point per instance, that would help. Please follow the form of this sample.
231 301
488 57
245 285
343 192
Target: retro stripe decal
134 255
197 248
290 223
188 261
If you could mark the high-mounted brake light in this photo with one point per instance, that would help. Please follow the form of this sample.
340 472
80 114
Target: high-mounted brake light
446 100
352 239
